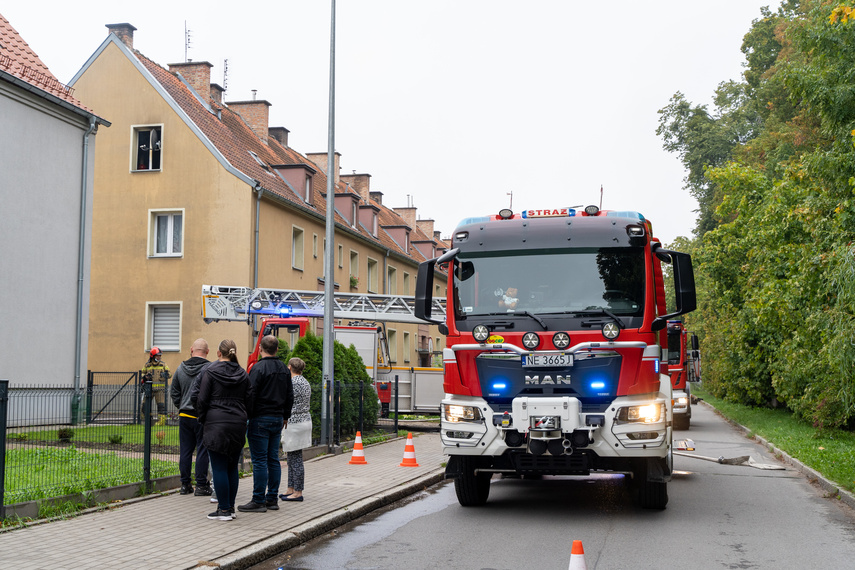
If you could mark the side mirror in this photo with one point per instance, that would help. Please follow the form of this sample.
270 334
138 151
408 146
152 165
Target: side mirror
684 285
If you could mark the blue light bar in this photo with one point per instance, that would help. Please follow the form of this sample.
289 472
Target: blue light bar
499 386
598 385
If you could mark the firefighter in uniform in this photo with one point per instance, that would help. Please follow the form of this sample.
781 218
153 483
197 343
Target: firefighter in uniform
157 372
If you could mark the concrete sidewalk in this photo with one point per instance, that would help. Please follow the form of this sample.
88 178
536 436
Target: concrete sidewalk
172 531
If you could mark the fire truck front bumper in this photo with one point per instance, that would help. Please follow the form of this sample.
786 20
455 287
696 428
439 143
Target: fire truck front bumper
632 426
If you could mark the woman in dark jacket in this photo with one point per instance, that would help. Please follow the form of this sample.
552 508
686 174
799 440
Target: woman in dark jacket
224 397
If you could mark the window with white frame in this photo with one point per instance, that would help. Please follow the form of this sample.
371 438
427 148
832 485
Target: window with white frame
391 281
406 346
392 335
297 248
406 283
315 246
340 256
373 276
146 144
163 326
354 216
307 192
166 233
354 264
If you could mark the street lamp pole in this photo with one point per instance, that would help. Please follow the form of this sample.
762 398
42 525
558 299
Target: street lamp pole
329 276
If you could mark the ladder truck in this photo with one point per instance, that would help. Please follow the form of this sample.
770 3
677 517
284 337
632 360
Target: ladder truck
684 367
289 312
555 329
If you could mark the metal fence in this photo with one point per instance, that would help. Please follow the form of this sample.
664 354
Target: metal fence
58 442
61 443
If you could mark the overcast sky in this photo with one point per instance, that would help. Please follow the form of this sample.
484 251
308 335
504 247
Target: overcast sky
451 105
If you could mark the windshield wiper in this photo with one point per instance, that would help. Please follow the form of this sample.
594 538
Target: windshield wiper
601 311
526 313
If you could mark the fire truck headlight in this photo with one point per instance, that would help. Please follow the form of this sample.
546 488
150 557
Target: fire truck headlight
561 340
481 333
611 331
530 340
682 401
648 414
453 413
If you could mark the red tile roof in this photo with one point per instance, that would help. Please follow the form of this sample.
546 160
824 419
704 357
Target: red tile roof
233 138
18 60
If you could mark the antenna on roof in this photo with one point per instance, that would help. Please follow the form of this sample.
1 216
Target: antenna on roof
186 40
225 75
601 196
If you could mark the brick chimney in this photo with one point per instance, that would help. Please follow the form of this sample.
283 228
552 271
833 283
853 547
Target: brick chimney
320 158
426 226
376 196
124 32
196 73
217 94
256 114
361 183
280 134
409 215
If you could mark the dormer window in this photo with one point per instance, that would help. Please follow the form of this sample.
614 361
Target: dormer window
353 215
307 195
374 224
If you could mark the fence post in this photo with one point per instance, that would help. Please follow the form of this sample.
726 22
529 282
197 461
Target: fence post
4 403
396 404
90 382
361 407
147 437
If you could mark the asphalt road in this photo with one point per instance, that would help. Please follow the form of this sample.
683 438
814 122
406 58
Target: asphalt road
718 516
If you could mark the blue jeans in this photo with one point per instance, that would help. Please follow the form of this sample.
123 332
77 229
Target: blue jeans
263 435
226 477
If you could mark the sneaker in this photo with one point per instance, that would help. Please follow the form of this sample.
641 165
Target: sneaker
272 505
220 515
186 490
203 491
215 500
252 507
232 512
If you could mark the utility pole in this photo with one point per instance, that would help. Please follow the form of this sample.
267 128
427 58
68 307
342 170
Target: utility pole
329 276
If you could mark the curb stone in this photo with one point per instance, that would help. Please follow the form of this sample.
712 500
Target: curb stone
812 475
269 547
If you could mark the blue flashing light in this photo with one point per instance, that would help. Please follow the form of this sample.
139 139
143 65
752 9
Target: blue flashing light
656 366
625 214
598 385
285 310
499 386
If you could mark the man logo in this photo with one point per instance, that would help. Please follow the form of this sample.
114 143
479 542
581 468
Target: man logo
547 379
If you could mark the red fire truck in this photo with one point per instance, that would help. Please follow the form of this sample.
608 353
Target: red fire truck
555 326
684 367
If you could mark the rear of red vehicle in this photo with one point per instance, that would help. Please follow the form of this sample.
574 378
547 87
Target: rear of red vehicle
552 363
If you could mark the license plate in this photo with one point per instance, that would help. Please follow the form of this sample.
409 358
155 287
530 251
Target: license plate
546 360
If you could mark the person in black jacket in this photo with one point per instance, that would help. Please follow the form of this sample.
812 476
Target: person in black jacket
225 395
186 376
272 400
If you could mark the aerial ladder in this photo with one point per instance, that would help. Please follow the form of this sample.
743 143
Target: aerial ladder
420 389
224 303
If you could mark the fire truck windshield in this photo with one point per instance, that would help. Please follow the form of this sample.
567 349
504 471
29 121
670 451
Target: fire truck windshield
550 281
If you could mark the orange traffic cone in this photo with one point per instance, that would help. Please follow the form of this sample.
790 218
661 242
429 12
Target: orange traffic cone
409 453
358 457
577 557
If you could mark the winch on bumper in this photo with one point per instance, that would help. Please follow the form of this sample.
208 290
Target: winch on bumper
551 435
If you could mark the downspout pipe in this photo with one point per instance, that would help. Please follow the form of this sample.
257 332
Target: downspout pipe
81 259
260 191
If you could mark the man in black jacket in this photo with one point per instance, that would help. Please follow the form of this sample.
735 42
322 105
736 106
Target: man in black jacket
185 385
272 401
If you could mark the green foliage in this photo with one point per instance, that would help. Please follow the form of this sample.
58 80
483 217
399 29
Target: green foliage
773 168
64 434
283 353
115 439
350 371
